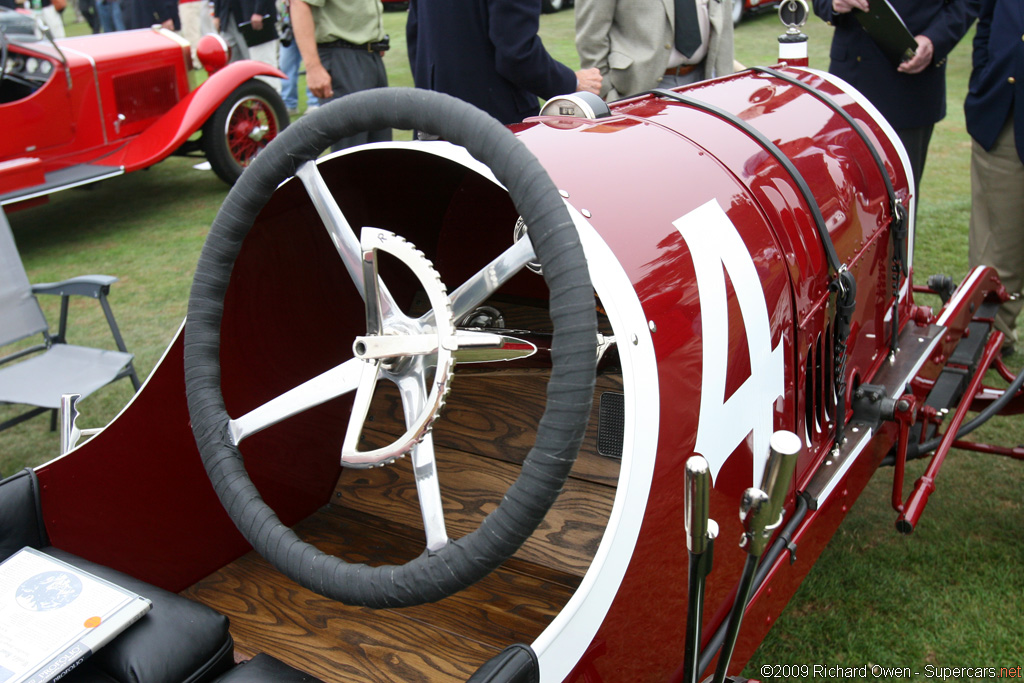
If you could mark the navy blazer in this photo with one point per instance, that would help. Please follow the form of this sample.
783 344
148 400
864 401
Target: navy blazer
486 52
242 10
905 100
145 13
997 79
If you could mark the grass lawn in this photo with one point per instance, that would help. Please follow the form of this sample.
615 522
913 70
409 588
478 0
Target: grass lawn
949 595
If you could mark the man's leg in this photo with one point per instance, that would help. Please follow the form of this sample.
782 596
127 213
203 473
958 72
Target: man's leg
290 58
352 71
104 11
916 141
267 53
54 20
117 15
190 14
997 220
231 34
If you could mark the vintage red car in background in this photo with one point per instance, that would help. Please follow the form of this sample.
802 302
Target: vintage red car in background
741 8
79 110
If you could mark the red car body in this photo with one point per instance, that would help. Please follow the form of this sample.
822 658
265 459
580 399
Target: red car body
721 259
742 8
79 110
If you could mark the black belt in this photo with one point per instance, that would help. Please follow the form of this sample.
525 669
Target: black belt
376 46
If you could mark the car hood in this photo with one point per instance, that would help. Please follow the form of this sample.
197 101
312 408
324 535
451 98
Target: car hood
136 45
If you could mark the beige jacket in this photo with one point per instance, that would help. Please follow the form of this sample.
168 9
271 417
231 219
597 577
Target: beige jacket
630 41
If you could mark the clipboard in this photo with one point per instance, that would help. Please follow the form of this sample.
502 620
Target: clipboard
886 28
253 37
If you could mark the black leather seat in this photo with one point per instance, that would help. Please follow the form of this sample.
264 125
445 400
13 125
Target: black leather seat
262 668
177 641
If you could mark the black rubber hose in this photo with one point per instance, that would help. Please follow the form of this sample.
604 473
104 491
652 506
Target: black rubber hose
432 575
990 411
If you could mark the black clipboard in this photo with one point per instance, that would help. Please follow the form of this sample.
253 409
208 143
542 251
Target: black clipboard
886 28
253 37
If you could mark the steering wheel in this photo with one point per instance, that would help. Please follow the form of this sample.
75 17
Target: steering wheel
417 354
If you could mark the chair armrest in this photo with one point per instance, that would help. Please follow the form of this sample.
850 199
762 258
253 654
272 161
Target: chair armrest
84 285
96 287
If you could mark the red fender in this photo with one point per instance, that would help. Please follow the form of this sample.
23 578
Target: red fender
187 117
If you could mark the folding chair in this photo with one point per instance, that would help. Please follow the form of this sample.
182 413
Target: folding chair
39 374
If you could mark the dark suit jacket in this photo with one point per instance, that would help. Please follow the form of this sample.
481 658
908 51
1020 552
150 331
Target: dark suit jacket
145 13
997 80
906 101
242 11
486 52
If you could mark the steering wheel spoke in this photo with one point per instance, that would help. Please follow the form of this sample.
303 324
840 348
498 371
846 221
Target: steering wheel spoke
428 489
341 233
322 388
483 283
350 454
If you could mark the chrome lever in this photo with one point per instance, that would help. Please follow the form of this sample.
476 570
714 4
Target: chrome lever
701 532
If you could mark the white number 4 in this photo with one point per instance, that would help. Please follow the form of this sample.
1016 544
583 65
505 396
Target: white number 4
717 249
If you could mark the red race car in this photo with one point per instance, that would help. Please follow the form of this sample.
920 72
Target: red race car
79 110
500 431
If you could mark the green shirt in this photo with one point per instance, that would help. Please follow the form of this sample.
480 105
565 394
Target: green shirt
355 21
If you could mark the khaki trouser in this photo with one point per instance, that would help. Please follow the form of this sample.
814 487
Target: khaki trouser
53 19
196 22
997 220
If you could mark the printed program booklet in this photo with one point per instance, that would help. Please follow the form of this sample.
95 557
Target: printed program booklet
54 615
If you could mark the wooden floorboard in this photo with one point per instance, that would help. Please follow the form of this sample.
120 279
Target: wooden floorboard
443 641
471 487
509 605
496 415
341 516
328 640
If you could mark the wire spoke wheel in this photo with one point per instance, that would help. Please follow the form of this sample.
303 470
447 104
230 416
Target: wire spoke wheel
241 128
251 125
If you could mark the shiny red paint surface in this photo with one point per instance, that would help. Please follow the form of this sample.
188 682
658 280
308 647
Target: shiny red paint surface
164 525
109 59
174 127
29 114
17 173
677 158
